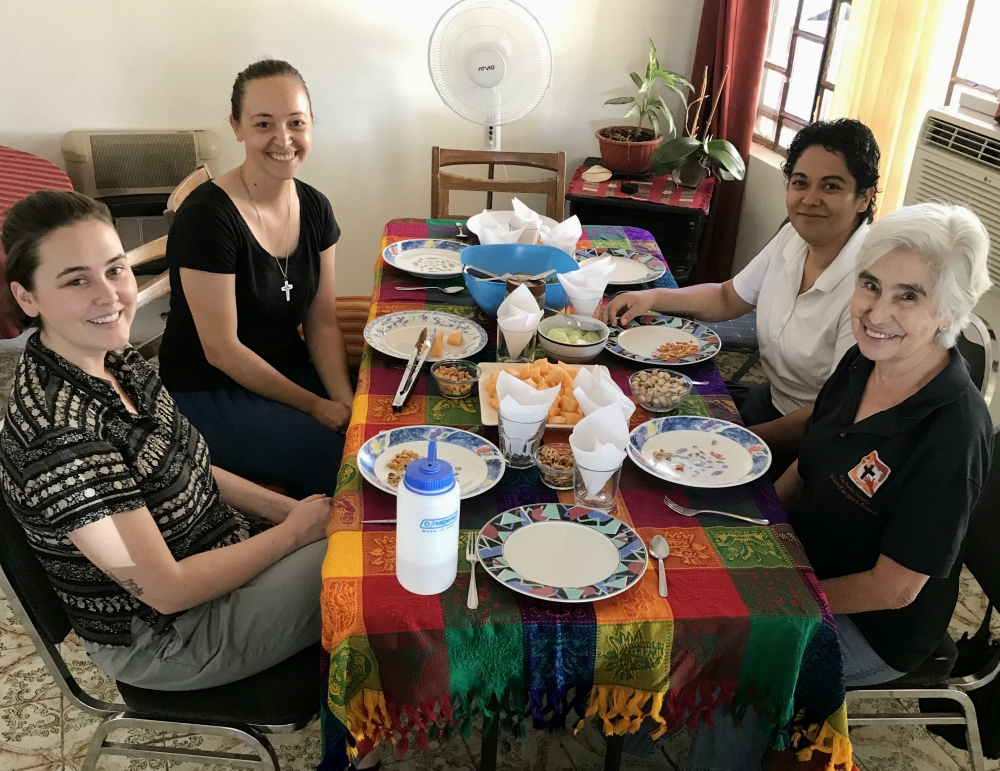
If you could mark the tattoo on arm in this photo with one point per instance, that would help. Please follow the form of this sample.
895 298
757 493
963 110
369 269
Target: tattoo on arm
128 584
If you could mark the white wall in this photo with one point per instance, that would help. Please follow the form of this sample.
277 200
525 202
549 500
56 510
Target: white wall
763 208
66 64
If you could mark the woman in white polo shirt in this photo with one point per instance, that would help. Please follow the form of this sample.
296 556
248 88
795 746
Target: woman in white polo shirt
801 282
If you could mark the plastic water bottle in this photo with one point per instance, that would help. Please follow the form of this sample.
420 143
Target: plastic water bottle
427 505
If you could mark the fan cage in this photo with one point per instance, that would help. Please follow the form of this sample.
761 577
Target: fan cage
515 33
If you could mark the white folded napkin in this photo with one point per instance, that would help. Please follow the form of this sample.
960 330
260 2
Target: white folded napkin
595 389
563 236
524 404
518 317
489 231
598 443
585 287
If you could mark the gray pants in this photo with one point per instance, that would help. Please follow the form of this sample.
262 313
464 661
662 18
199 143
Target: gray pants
265 621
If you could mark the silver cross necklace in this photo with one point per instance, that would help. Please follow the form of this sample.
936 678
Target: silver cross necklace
287 288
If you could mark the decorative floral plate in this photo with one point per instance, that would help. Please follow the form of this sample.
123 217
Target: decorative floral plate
395 334
698 452
644 334
426 257
563 553
477 462
630 267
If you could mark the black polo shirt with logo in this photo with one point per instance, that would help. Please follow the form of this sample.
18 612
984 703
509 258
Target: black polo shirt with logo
902 483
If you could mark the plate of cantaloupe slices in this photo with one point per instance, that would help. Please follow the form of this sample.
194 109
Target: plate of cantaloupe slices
565 411
454 337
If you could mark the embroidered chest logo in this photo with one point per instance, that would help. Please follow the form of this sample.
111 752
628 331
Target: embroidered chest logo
869 474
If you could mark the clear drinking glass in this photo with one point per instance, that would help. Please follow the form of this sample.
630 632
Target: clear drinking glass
604 498
525 356
520 440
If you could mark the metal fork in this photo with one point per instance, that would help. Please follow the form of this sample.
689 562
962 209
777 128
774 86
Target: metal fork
473 557
694 512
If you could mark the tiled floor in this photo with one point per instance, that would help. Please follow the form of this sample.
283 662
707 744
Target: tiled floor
40 731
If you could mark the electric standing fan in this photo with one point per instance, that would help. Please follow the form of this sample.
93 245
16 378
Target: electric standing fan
490 62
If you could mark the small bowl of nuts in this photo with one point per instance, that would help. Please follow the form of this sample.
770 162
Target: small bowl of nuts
555 464
456 377
659 390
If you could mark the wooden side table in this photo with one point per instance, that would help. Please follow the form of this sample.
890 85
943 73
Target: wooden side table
674 215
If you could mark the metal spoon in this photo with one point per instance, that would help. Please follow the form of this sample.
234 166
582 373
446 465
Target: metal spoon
445 289
660 549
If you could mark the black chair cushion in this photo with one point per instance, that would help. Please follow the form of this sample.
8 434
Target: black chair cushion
288 692
935 669
740 334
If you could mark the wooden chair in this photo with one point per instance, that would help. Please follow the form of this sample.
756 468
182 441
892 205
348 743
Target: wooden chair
443 182
352 316
159 286
189 183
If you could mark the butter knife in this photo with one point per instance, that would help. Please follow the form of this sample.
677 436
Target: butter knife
402 391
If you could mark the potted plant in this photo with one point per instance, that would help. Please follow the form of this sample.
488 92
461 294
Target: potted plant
689 159
629 149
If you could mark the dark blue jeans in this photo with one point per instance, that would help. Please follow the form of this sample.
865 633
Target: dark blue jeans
264 440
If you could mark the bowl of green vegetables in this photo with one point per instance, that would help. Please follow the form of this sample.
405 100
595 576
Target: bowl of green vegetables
572 339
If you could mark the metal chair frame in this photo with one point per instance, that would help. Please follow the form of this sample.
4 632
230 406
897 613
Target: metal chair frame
116 716
956 689
991 353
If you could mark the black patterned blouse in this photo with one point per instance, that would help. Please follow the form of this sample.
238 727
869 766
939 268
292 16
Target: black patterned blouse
71 454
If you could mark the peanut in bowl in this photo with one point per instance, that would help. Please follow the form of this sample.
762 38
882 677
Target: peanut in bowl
555 464
456 378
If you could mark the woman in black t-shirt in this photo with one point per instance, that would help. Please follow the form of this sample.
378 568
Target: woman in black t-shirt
892 460
899 444
252 257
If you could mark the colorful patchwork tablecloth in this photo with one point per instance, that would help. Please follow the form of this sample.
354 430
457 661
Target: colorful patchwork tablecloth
746 623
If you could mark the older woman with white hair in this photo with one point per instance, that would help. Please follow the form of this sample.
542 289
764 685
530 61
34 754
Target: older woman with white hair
898 447
892 460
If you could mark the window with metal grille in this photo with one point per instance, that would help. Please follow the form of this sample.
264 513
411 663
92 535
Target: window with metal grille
977 66
804 45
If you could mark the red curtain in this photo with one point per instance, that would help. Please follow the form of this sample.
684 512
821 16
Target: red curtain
732 32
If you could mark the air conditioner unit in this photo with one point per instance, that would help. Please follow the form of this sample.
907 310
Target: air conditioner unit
957 160
134 172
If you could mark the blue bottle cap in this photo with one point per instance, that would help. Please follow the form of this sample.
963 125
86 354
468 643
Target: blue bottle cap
429 475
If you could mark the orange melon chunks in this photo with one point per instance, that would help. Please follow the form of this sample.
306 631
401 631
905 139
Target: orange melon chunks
456 338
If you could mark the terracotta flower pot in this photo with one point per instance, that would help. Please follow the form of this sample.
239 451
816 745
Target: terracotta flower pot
627 157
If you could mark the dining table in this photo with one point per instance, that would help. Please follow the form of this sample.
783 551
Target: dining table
746 624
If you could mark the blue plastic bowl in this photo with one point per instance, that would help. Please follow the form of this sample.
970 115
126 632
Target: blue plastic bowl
515 258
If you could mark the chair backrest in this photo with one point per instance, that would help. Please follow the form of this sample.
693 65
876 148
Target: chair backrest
160 285
26 586
352 316
189 183
978 345
982 543
443 182
29 582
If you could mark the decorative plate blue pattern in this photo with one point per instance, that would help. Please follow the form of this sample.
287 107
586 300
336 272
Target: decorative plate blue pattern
708 340
483 449
631 551
655 267
378 329
698 466
425 263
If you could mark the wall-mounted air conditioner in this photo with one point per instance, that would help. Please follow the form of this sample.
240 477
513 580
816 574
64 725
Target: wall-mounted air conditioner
133 172
957 160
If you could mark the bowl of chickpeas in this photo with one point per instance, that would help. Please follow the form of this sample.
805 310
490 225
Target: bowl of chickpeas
555 464
456 377
659 390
